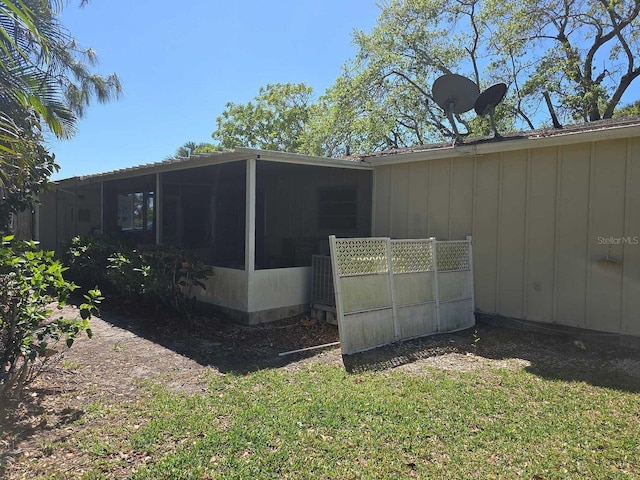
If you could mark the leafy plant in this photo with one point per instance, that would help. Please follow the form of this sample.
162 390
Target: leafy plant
157 274
476 340
31 288
127 273
171 274
87 258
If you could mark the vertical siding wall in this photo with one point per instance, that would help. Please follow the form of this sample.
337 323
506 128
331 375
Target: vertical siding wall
555 230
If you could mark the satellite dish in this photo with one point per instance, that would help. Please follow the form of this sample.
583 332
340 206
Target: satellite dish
487 102
455 94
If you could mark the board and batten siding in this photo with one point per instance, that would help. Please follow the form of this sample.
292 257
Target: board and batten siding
555 229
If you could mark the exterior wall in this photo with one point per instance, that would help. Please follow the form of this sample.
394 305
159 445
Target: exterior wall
556 230
22 224
57 218
46 221
259 296
62 222
89 200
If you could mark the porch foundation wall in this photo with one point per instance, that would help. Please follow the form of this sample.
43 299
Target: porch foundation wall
226 288
255 318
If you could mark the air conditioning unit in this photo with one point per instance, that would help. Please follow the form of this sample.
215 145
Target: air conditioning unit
323 300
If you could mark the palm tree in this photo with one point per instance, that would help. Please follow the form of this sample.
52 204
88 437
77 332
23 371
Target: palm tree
191 148
46 82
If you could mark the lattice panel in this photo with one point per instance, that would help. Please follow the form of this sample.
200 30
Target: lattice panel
453 256
361 256
411 256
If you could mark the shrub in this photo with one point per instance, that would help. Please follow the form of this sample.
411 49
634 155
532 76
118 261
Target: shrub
156 274
126 272
31 287
87 259
170 276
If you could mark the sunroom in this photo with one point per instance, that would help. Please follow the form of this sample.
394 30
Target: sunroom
256 216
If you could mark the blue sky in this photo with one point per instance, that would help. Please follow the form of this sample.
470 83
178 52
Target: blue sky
180 62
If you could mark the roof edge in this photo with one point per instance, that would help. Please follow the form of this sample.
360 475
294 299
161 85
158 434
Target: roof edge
537 139
213 158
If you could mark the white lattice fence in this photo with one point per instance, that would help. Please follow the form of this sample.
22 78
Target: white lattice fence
391 290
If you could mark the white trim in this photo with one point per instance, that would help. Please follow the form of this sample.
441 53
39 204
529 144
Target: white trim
250 217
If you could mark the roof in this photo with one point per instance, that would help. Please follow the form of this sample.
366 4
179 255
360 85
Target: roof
584 132
217 158
591 131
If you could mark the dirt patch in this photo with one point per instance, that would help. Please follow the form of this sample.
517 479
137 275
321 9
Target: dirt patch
129 351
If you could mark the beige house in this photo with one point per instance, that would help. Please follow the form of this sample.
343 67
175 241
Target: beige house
554 216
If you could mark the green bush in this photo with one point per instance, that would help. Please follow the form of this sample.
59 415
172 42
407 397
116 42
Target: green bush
31 287
87 259
126 272
170 275
155 274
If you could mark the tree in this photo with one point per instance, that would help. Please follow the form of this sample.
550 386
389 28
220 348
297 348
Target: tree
587 51
274 120
46 83
193 148
582 54
629 110
383 99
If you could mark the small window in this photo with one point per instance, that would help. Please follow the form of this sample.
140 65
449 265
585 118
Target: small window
338 208
135 211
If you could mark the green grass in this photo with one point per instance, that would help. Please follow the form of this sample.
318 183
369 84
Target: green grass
325 423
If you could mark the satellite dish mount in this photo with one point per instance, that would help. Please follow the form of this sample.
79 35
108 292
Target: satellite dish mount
487 102
455 94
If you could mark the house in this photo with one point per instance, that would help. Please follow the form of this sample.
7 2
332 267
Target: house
554 216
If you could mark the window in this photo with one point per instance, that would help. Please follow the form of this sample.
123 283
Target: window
135 211
338 208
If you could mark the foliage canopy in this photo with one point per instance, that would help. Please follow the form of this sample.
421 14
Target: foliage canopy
46 83
274 120
580 54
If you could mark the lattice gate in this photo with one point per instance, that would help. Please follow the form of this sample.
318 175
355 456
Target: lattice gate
392 290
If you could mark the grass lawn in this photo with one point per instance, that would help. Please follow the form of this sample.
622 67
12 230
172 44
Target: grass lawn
321 422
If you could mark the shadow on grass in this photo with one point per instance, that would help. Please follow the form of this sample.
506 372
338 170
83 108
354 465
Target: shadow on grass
215 341
552 357
231 348
16 426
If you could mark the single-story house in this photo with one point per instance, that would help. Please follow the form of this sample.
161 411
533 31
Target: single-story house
554 215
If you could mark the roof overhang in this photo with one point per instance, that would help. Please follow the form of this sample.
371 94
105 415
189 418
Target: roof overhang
215 158
524 142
